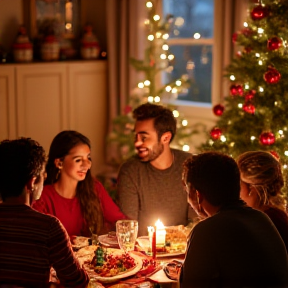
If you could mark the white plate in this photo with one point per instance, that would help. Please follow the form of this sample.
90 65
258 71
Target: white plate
108 241
93 275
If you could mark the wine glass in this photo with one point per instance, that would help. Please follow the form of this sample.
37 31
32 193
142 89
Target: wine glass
126 231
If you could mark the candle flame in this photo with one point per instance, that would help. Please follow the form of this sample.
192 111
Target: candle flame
159 224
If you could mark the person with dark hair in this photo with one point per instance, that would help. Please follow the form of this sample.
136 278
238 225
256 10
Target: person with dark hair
71 194
149 184
261 184
31 242
235 245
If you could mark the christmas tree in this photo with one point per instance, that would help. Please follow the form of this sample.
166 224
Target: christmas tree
253 117
157 59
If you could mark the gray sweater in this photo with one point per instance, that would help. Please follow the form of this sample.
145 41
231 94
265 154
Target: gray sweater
147 194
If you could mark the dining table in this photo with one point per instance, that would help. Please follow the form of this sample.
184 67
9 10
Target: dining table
154 278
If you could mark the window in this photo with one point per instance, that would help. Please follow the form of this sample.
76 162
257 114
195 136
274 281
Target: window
196 41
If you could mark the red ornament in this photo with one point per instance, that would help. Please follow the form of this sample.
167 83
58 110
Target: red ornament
250 95
216 133
236 90
272 76
249 108
259 12
233 90
218 109
247 32
274 43
234 37
267 138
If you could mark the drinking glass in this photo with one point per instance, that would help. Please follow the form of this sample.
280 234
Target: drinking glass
126 231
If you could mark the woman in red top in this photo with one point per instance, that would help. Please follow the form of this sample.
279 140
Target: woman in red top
71 194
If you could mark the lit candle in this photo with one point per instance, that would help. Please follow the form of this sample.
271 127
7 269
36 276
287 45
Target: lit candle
160 233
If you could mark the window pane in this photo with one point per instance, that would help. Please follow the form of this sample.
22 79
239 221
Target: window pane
196 62
191 16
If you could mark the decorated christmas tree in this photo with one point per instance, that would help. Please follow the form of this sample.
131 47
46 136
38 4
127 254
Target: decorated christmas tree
157 59
254 115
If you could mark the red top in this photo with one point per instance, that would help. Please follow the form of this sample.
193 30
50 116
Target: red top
68 211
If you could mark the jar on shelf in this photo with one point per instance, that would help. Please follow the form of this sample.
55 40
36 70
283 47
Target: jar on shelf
90 48
50 48
22 48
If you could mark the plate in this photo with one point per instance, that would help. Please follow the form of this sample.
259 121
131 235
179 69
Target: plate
108 241
143 243
79 242
93 275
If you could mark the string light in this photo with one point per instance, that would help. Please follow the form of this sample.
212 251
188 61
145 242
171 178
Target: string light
184 122
232 78
178 83
158 34
150 99
260 30
146 82
223 138
171 57
156 17
149 4
186 148
197 36
150 37
163 56
286 153
253 138
247 86
174 90
260 62
141 85
165 36
245 24
261 89
175 113
168 88
240 105
165 47
157 99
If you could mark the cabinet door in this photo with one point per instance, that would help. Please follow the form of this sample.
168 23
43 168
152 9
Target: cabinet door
7 102
88 106
41 101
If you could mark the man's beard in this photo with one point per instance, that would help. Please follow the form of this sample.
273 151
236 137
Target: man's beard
153 153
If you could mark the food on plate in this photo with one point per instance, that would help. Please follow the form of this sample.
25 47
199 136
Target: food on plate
79 241
110 264
176 238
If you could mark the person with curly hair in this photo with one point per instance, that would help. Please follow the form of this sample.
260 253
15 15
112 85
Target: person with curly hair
31 242
261 187
234 245
149 184
71 194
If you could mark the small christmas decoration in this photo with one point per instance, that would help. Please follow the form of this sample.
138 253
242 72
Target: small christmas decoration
90 48
272 76
218 110
233 90
250 95
249 107
274 43
267 138
50 48
234 37
216 133
22 48
259 12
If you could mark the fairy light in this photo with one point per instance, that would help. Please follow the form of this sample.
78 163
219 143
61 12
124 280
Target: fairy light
260 30
197 36
260 62
147 22
245 24
174 90
176 113
168 88
281 132
157 99
165 36
246 86
285 166
140 85
257 55
149 4
186 148
178 83
286 153
147 82
252 138
165 47
211 142
223 138
150 37
156 17
150 99
232 78
184 122
261 89
163 56
171 57
232 144
240 105
158 34
179 21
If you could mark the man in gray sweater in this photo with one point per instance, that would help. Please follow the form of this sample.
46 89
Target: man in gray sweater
149 183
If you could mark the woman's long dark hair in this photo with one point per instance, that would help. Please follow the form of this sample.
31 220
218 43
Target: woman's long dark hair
85 191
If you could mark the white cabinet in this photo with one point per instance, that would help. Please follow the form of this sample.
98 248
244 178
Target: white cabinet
39 100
